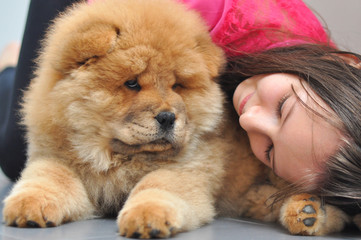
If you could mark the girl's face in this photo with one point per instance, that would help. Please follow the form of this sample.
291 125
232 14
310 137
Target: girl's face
283 133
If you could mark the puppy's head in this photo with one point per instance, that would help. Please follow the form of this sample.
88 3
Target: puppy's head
132 77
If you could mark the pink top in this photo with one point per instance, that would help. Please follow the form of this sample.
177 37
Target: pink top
247 26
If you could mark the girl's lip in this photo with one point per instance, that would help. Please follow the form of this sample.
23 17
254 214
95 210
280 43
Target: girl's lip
243 103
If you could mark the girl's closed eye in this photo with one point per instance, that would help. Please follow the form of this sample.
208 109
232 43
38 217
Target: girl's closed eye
268 152
280 105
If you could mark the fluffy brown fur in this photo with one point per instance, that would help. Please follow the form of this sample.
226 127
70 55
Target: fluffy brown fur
124 117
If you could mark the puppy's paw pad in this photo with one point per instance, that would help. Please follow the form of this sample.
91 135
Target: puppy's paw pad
309 222
302 214
32 224
309 209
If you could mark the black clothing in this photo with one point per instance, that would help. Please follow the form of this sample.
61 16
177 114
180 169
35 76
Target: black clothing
12 142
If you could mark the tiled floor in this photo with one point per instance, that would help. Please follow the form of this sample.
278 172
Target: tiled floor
106 229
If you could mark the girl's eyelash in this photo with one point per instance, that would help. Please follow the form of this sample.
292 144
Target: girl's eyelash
268 152
280 104
279 112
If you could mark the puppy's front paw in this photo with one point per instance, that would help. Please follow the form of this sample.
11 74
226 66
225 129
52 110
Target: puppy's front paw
302 214
149 219
33 208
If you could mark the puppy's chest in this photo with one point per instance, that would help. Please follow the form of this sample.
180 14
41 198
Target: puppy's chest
108 191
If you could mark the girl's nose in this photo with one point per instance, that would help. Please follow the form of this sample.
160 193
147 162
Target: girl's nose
257 119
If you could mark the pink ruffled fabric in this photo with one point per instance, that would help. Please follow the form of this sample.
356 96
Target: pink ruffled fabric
214 12
248 26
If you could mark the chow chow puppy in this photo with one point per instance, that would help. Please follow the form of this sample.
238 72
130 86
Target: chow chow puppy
125 118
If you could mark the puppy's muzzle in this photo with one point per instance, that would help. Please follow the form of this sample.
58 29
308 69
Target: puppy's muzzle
166 120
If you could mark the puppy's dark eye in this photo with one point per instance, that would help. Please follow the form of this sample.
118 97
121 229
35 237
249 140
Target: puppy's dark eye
176 85
133 85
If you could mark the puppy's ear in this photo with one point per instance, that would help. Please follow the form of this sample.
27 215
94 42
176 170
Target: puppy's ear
213 55
85 46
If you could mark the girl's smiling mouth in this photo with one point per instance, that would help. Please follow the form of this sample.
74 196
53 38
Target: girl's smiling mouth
243 103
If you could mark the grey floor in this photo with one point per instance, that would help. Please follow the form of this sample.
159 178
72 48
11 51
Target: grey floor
106 229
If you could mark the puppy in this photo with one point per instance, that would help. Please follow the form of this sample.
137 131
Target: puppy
125 118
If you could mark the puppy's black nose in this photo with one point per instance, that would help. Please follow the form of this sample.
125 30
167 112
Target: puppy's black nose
166 120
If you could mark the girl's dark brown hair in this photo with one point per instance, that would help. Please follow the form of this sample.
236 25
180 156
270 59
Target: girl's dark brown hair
328 72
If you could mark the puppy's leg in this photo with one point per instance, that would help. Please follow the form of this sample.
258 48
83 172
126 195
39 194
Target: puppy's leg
257 203
166 202
303 214
47 194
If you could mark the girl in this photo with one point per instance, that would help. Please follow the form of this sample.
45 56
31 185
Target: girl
301 109
297 96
